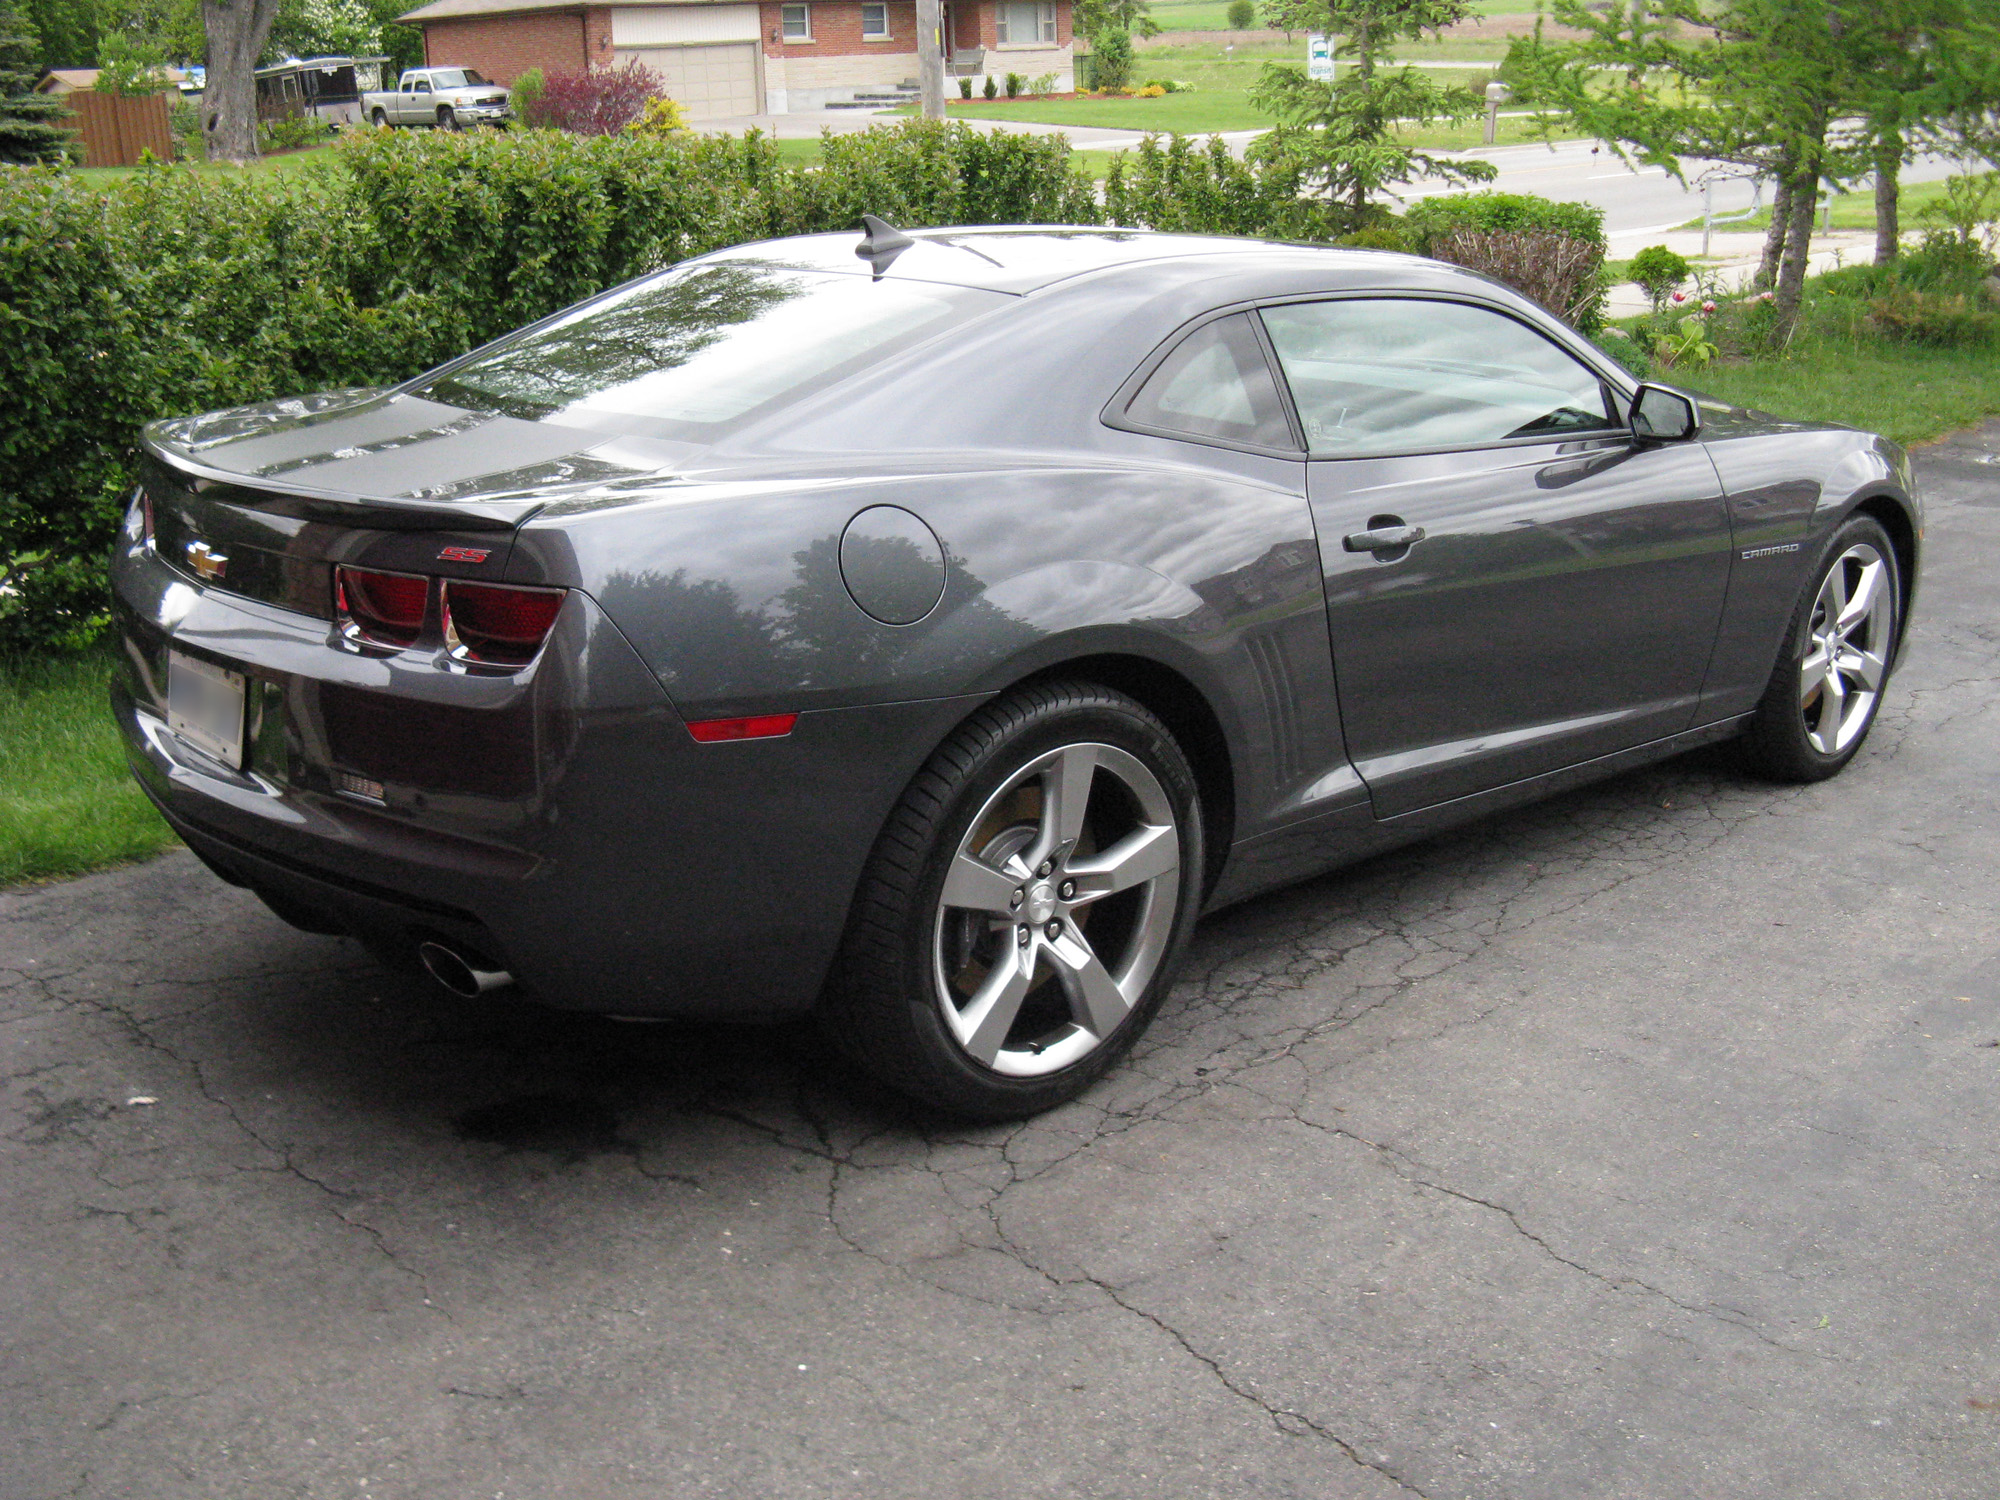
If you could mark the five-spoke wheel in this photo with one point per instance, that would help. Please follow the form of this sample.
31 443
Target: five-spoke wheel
1828 681
1019 920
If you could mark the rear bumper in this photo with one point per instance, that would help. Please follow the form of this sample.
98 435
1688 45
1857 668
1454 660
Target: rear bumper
561 822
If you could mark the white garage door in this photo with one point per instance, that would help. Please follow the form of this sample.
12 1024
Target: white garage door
704 81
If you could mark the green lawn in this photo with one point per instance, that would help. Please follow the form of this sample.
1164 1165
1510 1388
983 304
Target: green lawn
1213 15
1906 392
1854 210
292 161
67 802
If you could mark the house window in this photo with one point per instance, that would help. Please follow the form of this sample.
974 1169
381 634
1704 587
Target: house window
798 23
1027 23
875 22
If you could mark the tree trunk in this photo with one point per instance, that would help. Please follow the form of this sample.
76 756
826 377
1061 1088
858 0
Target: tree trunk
1774 237
1797 253
237 31
1888 170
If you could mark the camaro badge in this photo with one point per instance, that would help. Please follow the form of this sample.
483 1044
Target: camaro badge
206 561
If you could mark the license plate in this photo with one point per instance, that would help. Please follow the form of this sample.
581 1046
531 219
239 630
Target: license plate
205 707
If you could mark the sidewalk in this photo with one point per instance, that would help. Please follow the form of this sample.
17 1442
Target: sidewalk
1733 260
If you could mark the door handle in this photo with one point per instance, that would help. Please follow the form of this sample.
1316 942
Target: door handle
1383 539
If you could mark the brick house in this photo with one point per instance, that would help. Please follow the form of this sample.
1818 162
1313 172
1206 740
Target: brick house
724 57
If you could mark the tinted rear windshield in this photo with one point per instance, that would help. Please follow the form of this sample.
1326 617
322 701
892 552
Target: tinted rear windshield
696 352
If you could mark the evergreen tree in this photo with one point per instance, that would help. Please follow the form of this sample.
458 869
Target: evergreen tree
30 123
1341 135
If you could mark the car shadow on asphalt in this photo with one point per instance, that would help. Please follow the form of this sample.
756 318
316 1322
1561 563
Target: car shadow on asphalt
505 1074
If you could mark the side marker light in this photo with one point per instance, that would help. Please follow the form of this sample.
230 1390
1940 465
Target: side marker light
760 727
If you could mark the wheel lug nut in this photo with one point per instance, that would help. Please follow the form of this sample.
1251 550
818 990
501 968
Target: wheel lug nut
1054 929
1016 899
1067 889
1024 934
1047 865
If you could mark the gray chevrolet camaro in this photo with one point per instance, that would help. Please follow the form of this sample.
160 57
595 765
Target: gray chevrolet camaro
924 632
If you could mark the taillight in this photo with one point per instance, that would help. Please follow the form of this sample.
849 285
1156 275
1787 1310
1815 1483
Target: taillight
490 622
385 609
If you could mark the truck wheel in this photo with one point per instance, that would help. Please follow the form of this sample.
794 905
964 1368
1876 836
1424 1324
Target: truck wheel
447 118
380 119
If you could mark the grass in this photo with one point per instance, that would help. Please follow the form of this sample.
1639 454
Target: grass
1852 210
1903 391
1213 15
311 158
67 802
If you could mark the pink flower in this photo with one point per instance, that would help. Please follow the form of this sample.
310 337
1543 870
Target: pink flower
1708 307
1680 296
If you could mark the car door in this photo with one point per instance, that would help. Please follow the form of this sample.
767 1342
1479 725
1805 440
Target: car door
1514 584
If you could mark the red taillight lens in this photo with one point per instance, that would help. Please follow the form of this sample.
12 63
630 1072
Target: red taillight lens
492 623
386 608
762 727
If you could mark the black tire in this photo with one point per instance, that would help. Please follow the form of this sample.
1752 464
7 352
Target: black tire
380 119
886 1006
448 118
1788 738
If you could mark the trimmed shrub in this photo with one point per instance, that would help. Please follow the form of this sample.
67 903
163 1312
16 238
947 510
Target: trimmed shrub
965 88
1502 213
1550 251
1241 15
992 89
1560 273
1015 83
1657 271
602 101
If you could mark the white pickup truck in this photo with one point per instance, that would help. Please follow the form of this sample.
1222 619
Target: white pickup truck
444 98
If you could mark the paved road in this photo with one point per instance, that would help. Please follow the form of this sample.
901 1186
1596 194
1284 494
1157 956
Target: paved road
1639 1144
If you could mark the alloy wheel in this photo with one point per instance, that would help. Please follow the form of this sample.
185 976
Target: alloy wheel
1847 649
1057 909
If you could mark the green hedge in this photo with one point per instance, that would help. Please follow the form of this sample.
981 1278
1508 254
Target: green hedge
1500 213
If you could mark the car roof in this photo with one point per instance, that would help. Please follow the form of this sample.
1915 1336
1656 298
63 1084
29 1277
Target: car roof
1023 258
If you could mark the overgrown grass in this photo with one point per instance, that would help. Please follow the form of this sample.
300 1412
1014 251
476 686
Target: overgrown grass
1906 392
310 159
67 802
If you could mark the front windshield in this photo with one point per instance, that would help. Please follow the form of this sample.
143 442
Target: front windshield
696 351
458 78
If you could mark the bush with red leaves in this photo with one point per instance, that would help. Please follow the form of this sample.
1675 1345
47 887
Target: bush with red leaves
602 101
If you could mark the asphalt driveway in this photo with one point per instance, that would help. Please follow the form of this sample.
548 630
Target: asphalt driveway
1643 1143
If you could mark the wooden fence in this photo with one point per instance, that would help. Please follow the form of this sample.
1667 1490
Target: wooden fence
117 128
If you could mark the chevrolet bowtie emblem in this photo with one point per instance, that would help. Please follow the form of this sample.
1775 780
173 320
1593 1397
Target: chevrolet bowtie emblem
206 561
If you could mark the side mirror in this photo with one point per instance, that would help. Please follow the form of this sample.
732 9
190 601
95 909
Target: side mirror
1663 416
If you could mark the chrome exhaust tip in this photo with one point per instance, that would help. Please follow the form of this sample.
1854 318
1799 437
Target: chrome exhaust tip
458 973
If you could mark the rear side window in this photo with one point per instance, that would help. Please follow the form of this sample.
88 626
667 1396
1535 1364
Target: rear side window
1215 384
1389 375
698 351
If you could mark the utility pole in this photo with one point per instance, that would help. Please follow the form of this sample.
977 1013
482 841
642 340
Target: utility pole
930 58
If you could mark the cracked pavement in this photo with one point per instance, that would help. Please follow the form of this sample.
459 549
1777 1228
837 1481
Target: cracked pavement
1640 1143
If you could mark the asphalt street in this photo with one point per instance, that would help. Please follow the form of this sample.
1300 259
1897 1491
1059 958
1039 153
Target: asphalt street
1643 1143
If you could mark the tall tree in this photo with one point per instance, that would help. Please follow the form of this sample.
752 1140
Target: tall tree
237 31
68 30
1342 134
1757 83
30 123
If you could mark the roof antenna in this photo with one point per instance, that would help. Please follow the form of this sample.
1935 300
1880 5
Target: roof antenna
881 243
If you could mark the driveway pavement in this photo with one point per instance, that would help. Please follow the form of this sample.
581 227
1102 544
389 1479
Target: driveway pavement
1639 1144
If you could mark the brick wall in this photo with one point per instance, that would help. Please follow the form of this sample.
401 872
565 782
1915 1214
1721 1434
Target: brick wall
504 47
836 30
597 35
